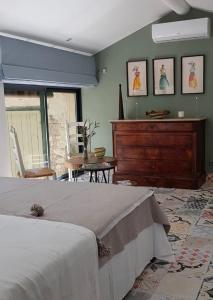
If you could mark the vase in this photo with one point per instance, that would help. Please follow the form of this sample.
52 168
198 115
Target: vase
120 109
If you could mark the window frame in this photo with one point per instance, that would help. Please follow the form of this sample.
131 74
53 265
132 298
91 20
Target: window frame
8 87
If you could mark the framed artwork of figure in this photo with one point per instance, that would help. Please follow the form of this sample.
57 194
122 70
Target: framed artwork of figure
137 78
192 74
163 76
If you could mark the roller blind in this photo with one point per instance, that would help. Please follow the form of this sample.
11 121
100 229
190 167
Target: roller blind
24 62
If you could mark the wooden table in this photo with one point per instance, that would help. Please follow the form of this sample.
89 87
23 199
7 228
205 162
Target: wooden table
92 165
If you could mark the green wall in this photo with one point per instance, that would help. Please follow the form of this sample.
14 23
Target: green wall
101 102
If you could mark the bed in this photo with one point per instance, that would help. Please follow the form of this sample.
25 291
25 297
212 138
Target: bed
56 256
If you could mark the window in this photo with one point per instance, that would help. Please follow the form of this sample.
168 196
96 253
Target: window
39 116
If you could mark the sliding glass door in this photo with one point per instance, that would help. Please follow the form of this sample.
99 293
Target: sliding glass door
39 117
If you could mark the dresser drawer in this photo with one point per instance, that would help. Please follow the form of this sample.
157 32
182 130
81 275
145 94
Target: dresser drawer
144 166
138 152
157 167
160 181
173 168
153 126
153 139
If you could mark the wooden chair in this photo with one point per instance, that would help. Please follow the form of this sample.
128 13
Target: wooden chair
73 145
22 172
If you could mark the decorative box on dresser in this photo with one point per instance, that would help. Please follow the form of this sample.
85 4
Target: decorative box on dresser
163 153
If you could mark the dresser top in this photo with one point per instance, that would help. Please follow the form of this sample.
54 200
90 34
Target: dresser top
162 120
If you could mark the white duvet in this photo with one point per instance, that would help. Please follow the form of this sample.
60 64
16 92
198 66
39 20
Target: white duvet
49 261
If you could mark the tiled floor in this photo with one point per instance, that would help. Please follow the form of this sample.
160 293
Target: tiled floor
191 236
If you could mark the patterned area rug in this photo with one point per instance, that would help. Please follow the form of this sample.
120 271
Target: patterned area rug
191 236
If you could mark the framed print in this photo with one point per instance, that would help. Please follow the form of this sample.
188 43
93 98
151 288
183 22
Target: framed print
137 78
163 76
192 74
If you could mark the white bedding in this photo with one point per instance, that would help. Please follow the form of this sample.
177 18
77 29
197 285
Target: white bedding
42 260
46 260
118 275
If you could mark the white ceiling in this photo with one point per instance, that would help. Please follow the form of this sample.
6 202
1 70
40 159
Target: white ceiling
202 4
92 24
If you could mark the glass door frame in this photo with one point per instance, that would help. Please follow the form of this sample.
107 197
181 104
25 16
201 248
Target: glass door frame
43 106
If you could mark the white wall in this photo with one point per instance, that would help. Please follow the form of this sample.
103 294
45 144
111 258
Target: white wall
4 145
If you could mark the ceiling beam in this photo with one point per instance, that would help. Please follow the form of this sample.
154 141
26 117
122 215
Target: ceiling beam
181 7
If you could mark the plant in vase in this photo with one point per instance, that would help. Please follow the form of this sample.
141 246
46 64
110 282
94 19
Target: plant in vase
88 131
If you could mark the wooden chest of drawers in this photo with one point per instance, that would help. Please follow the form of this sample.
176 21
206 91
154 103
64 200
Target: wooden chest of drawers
164 153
